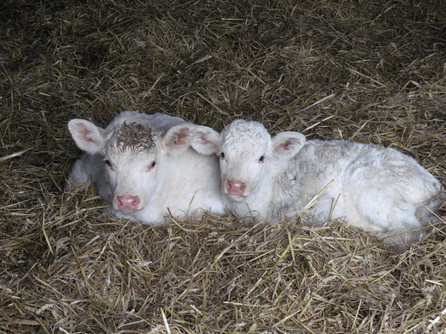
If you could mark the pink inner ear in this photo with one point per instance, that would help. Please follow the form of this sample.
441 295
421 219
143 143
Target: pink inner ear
286 145
181 135
82 129
204 141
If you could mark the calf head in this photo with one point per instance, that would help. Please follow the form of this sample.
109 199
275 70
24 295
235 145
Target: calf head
134 156
248 154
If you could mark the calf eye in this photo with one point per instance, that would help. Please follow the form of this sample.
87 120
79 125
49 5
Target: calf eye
262 158
222 155
152 165
109 164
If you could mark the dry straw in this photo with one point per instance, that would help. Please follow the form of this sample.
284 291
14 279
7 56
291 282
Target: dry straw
368 71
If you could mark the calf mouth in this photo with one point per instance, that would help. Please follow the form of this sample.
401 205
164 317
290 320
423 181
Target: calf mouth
127 212
235 198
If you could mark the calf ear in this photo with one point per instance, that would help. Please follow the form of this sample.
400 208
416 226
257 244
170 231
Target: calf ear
88 137
287 144
206 140
179 137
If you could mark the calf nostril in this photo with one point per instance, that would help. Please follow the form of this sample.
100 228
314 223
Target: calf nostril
235 187
126 202
135 201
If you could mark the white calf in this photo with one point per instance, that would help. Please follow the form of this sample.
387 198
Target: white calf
377 189
144 165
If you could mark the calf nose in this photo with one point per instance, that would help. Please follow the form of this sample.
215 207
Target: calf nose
235 187
127 203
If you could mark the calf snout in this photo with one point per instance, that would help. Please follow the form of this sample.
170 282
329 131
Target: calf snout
235 187
127 204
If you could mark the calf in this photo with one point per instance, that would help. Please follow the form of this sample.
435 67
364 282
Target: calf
145 166
377 189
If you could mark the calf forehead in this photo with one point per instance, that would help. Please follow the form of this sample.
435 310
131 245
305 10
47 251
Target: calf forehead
131 160
245 136
133 137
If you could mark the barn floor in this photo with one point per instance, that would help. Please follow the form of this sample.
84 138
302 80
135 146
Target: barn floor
367 71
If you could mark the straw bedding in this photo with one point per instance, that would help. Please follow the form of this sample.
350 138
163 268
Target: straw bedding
367 71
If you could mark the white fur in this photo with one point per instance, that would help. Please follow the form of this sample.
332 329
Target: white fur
182 182
377 189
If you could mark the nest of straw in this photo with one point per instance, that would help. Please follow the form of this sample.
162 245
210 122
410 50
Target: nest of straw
367 71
